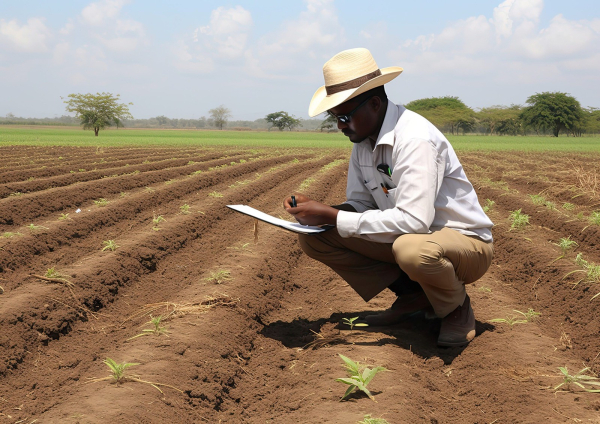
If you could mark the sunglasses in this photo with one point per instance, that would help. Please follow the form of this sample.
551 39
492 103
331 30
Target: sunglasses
345 119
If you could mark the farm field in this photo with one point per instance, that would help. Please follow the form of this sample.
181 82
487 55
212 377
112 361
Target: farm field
251 326
74 136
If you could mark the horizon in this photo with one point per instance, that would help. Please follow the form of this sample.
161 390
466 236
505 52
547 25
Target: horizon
181 60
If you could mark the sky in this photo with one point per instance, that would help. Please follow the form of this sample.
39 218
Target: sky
182 58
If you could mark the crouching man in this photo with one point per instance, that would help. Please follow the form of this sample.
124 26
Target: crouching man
412 222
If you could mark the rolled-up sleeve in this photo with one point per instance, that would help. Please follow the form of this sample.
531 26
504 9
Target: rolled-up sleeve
418 172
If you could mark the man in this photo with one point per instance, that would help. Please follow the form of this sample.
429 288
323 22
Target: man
412 221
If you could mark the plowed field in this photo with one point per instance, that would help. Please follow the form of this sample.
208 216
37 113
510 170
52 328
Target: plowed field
252 325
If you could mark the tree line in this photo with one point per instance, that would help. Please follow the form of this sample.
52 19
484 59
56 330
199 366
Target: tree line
547 113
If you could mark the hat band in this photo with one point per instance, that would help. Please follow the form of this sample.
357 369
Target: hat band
347 85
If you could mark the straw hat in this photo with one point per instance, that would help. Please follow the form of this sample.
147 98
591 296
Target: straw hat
348 74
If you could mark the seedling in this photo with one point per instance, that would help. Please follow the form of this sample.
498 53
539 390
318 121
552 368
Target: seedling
157 220
64 217
16 194
33 228
219 276
550 205
591 269
537 199
8 234
215 194
169 182
359 377
579 380
568 206
122 194
81 170
489 204
101 202
185 209
109 245
157 330
530 315
518 220
485 289
149 189
595 218
512 320
367 419
565 245
350 322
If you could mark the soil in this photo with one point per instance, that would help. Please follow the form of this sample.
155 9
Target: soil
253 332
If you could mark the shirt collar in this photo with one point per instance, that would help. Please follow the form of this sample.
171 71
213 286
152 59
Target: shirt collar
392 115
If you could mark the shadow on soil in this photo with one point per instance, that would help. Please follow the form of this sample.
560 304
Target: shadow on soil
415 333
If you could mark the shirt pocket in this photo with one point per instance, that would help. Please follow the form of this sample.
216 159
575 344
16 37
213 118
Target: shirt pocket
372 185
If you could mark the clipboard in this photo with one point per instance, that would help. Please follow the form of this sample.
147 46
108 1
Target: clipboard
286 225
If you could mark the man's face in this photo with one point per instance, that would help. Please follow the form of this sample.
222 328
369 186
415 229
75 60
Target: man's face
363 121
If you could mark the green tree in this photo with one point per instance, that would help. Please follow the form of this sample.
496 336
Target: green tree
552 111
501 119
282 120
329 124
98 111
445 112
220 115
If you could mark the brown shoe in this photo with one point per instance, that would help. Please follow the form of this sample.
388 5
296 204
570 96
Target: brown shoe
400 309
458 327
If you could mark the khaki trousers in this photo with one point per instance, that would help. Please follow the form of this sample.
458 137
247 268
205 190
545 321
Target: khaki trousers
441 262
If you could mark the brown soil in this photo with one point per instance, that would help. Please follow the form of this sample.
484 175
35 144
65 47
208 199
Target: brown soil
259 341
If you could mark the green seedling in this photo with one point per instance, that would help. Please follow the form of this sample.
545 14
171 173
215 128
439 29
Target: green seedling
595 218
64 217
358 378
118 370
568 206
157 220
512 320
145 162
565 244
122 194
81 170
538 199
169 182
579 380
185 209
109 245
33 228
191 162
489 204
215 194
101 202
157 330
550 205
518 220
9 234
31 179
149 189
16 194
219 276
485 289
350 322
242 160
367 419
530 315
591 269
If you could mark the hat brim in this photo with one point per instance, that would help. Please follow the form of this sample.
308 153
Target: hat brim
321 102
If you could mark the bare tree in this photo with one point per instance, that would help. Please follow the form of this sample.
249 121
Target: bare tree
220 115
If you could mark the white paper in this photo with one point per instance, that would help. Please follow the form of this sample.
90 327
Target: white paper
290 226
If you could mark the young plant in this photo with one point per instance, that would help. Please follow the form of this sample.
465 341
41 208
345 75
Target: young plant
64 217
118 370
489 204
219 276
157 330
512 320
215 194
185 209
367 419
518 220
568 206
565 244
538 199
169 182
101 202
591 269
16 194
485 289
550 205
594 218
350 323
8 234
358 378
33 228
109 245
157 220
123 194
579 380
530 315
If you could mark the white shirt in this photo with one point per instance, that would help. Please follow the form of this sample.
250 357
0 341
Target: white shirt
428 186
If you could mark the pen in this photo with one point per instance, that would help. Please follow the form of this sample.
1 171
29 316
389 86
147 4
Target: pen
294 202
385 190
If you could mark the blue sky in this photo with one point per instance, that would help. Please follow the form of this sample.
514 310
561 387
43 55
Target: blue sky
183 58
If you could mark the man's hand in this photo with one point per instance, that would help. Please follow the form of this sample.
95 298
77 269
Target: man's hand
310 212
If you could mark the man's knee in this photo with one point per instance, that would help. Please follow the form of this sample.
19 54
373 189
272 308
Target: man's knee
416 255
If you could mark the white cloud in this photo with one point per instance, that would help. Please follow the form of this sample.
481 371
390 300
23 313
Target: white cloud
124 36
30 37
96 13
66 30
227 33
61 51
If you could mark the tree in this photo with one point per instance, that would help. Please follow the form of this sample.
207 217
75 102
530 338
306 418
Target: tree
502 119
447 111
98 111
282 120
329 124
220 115
553 111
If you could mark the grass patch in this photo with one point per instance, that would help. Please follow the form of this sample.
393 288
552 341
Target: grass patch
219 277
518 220
101 202
489 204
